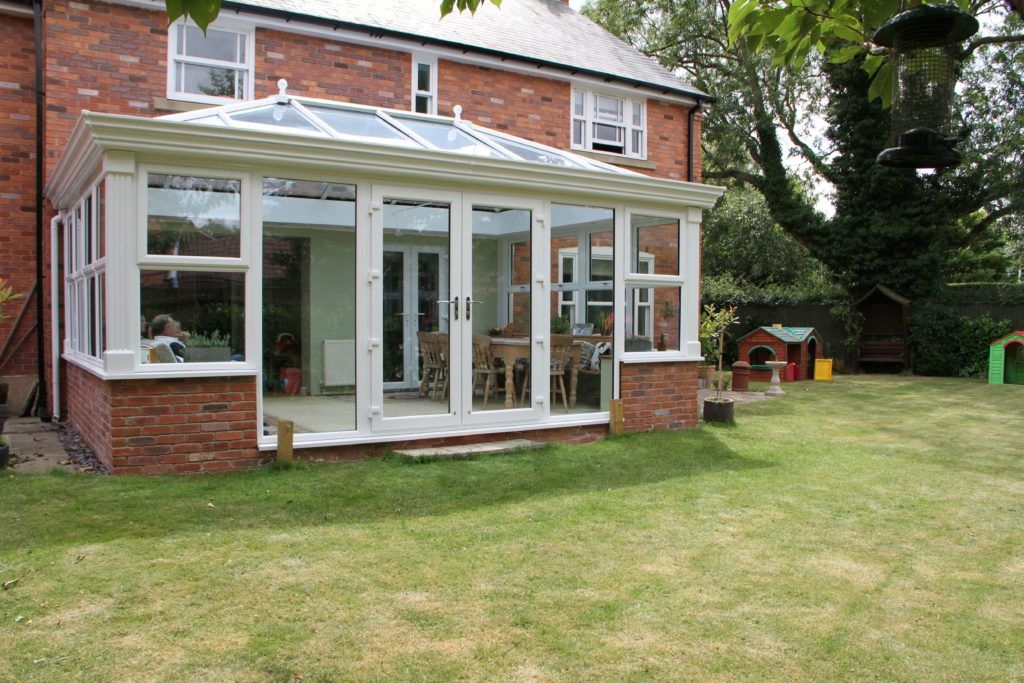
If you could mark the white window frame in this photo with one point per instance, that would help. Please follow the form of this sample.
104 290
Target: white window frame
589 118
431 95
85 270
240 264
688 260
247 31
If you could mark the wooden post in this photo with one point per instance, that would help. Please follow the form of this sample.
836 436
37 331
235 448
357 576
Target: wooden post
615 410
285 439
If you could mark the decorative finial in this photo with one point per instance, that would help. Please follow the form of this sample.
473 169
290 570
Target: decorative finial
458 112
282 88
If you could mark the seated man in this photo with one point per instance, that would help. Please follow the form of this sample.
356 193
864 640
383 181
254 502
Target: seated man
167 330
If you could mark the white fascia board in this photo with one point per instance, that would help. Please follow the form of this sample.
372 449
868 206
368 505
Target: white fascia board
78 166
219 147
423 47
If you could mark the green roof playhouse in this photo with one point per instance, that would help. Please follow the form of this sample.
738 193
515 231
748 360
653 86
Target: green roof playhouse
1006 359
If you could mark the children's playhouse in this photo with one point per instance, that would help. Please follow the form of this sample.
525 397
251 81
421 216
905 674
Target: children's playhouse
798 347
1006 359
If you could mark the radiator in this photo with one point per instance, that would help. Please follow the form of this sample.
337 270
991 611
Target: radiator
339 362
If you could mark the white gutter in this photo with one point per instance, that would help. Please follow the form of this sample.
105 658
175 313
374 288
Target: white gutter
54 317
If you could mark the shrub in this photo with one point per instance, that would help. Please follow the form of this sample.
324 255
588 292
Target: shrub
946 344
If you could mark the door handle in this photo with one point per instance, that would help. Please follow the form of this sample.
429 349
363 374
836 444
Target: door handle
469 307
452 301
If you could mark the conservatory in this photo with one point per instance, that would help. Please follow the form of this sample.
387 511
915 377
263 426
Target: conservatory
368 275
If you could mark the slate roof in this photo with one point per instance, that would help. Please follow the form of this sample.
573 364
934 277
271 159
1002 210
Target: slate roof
547 32
790 335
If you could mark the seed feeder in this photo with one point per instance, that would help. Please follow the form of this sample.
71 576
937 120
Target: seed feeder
923 42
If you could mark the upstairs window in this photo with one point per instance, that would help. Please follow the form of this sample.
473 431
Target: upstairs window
210 68
606 123
424 84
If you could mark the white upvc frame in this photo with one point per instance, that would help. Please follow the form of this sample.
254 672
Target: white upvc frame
589 118
246 30
689 273
431 61
84 270
539 307
249 252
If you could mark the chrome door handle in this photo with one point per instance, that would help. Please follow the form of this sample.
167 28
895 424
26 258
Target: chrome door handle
452 301
469 307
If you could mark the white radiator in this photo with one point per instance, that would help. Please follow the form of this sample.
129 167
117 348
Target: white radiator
339 362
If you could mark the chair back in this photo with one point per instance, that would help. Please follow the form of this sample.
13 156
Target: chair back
428 349
561 352
482 359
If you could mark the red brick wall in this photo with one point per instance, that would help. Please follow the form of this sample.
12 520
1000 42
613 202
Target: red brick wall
658 396
316 67
17 188
528 106
87 398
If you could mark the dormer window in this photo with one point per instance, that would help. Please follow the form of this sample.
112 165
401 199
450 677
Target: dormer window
606 123
210 68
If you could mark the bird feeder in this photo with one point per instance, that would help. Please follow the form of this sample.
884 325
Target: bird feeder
923 42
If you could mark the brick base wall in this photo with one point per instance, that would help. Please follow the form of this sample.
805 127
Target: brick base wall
658 396
87 408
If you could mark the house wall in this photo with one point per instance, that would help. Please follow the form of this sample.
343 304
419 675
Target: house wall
17 190
658 396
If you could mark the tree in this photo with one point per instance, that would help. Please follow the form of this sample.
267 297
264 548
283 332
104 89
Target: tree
890 226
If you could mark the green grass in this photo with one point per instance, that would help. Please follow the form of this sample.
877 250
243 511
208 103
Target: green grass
871 528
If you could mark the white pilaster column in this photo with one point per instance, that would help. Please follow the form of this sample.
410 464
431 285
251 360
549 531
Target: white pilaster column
121 234
690 342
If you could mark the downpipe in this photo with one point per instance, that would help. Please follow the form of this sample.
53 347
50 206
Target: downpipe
55 345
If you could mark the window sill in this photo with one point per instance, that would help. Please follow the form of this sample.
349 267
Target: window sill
96 367
659 357
616 159
164 104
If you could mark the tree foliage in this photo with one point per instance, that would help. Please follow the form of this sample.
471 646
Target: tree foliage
897 227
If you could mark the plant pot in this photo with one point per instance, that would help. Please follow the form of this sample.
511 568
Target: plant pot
718 410
5 456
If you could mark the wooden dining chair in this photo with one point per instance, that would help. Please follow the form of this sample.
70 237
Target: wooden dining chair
561 356
484 367
432 365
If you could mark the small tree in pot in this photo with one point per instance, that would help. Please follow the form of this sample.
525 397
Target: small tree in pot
715 322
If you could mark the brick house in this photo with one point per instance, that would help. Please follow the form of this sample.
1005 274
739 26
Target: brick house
346 206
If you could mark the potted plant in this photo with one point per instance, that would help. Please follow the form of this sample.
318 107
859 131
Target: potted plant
716 322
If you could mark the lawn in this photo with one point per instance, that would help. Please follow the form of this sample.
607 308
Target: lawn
871 528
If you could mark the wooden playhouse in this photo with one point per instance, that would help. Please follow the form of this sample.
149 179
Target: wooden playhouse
1006 359
798 345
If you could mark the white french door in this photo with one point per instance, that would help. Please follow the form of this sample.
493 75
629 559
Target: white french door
458 305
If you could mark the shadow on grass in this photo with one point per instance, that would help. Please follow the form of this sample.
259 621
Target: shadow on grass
49 511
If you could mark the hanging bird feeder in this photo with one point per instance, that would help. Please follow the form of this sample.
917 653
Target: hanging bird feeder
923 42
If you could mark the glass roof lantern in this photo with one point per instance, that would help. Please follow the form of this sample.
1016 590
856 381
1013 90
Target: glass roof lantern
291 115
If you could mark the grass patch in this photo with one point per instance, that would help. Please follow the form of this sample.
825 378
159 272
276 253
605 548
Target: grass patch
867 528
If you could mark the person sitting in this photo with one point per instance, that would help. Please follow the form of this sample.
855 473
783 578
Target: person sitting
167 330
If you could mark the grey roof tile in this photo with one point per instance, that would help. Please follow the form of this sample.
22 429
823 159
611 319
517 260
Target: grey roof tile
538 30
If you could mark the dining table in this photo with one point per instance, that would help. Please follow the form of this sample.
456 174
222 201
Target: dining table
509 349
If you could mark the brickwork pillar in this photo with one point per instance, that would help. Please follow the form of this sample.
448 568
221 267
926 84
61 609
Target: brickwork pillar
658 396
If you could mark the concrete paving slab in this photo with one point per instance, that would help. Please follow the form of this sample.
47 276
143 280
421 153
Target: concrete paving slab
469 450
35 445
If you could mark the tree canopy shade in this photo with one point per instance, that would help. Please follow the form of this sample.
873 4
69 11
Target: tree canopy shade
204 12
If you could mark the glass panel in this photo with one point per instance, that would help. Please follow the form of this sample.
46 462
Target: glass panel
280 115
583 267
213 81
606 133
361 124
309 305
193 216
423 77
652 318
416 342
530 153
502 267
579 103
447 137
638 114
101 314
194 316
87 252
92 309
608 108
577 132
655 245
216 44
422 104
